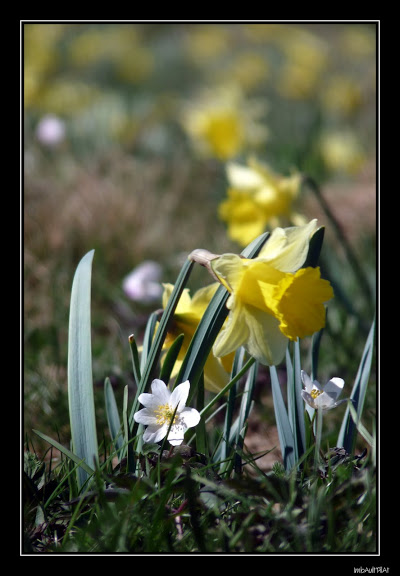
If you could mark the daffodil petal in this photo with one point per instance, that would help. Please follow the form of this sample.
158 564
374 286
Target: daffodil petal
243 177
184 300
299 303
233 334
229 270
287 248
265 341
202 297
217 372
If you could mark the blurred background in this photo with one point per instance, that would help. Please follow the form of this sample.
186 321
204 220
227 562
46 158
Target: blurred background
127 131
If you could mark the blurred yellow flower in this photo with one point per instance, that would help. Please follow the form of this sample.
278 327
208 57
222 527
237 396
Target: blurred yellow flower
41 58
222 122
205 41
187 316
341 151
358 42
115 45
306 59
272 299
341 94
258 197
248 69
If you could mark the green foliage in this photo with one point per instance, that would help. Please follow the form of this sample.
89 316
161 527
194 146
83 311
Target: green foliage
189 499
194 510
80 378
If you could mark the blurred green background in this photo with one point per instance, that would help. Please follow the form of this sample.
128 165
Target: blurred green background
111 163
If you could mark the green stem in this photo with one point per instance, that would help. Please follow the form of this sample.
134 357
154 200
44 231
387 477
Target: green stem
318 438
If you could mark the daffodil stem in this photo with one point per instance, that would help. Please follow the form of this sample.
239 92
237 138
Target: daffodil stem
352 258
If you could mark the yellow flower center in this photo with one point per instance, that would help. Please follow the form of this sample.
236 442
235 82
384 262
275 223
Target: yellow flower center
164 414
315 393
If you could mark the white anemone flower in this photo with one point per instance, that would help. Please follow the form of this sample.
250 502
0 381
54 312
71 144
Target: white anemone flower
162 407
322 397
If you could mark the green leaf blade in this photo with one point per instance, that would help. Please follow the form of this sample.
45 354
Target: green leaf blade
80 379
285 433
114 423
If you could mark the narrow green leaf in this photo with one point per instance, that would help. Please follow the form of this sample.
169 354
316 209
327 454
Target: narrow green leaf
81 463
148 339
135 359
295 400
314 248
226 434
347 434
80 379
315 346
201 434
114 424
127 434
170 359
285 434
360 427
203 339
245 407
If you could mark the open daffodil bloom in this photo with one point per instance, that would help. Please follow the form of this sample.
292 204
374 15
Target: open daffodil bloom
272 298
258 197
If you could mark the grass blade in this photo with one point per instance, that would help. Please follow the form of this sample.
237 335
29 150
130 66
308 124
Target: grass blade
80 379
114 424
295 400
170 359
81 463
135 359
285 434
347 434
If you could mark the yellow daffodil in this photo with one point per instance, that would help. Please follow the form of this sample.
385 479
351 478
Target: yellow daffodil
342 151
258 197
222 122
272 299
188 314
